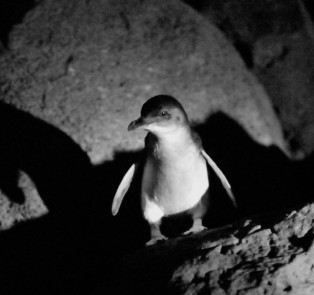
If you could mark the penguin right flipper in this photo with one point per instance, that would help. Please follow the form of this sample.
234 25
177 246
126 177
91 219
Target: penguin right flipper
221 176
123 188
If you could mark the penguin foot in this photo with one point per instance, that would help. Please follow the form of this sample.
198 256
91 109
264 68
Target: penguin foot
155 240
196 227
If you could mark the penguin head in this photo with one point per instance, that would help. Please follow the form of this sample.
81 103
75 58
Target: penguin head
161 114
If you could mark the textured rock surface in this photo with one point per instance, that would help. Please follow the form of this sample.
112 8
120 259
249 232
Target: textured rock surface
276 39
87 67
271 254
32 207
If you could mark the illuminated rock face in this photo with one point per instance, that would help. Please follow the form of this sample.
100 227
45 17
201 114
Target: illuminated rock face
261 257
86 67
275 39
32 207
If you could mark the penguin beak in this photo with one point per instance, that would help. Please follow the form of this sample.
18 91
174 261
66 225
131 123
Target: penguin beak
136 124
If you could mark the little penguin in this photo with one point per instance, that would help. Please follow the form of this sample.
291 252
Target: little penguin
175 175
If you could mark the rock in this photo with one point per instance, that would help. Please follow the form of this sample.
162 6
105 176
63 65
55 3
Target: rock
276 39
276 258
32 207
87 67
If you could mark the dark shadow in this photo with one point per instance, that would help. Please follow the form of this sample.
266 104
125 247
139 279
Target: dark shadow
130 230
263 179
198 5
12 12
65 251
245 51
8 183
308 5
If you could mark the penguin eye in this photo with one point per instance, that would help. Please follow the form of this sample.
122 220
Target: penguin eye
163 113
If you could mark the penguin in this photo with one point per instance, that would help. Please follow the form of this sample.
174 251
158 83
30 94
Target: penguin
175 176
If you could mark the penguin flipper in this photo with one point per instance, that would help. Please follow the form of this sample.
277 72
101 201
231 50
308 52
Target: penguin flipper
123 188
221 176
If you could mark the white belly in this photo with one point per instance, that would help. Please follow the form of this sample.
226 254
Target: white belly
171 187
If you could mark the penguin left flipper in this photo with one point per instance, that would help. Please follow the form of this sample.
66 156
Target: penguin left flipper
221 176
123 188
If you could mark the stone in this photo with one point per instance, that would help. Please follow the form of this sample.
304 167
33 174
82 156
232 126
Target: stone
12 212
277 259
86 67
276 40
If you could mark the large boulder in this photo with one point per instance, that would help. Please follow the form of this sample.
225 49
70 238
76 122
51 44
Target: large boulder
269 254
87 67
276 40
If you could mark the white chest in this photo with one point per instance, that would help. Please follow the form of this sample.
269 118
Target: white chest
173 183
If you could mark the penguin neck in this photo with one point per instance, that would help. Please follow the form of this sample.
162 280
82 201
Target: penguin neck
173 141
